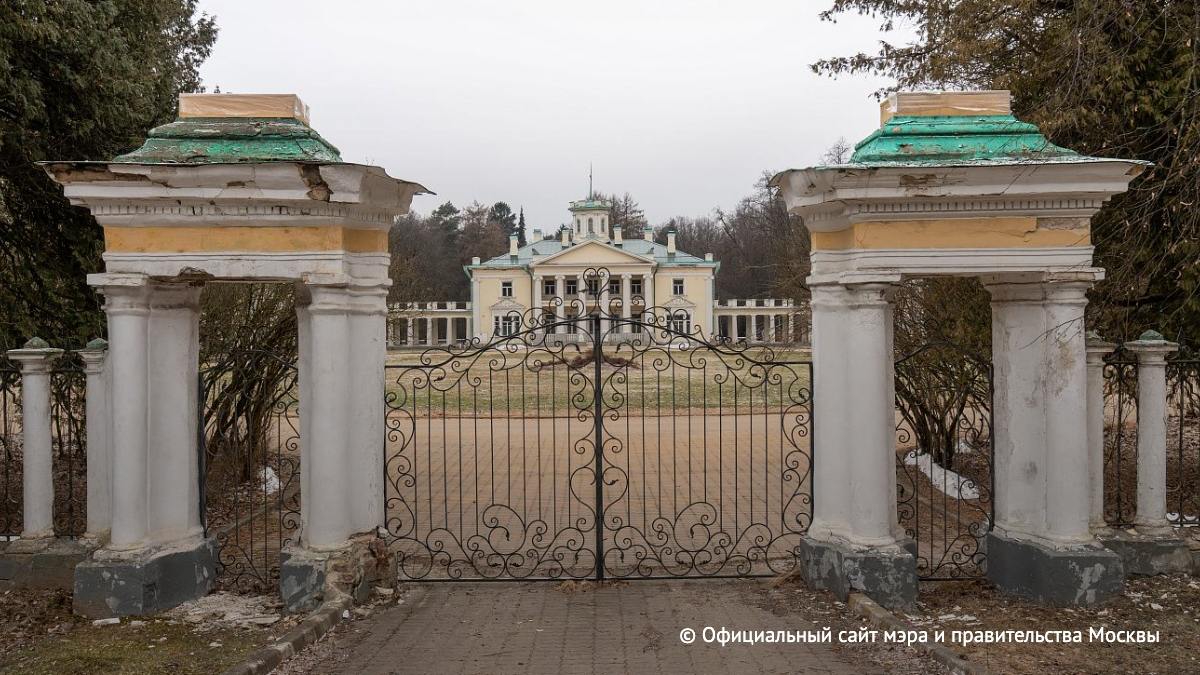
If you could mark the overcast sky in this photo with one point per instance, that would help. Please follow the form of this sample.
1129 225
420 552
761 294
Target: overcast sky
682 104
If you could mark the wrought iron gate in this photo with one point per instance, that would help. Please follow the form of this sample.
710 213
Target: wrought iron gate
944 458
250 464
589 440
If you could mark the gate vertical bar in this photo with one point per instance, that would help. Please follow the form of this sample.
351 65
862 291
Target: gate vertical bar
597 390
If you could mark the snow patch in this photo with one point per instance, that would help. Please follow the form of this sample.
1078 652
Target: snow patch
949 482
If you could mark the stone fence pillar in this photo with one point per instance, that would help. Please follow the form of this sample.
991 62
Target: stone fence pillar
35 360
1152 546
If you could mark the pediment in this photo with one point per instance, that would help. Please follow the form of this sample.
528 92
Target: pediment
592 253
507 305
679 302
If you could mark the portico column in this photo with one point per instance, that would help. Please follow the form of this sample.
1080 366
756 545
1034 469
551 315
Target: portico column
771 327
605 308
410 330
35 360
753 328
1097 349
173 349
1152 351
127 306
366 354
853 541
451 330
560 302
581 288
99 441
538 311
1042 545
325 513
626 301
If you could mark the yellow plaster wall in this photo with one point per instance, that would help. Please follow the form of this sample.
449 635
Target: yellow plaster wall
695 291
1010 232
243 239
489 294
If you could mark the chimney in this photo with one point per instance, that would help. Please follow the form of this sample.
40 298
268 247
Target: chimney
647 233
537 235
617 235
708 257
562 234
475 260
512 245
671 241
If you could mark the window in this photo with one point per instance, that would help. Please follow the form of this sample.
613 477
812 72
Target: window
549 288
506 289
614 287
593 286
681 322
591 229
635 286
677 286
506 325
572 287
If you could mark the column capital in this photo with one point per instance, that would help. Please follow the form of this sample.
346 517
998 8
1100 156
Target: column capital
560 277
626 275
1152 348
35 356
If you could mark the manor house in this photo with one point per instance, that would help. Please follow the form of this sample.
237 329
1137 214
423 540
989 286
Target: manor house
641 273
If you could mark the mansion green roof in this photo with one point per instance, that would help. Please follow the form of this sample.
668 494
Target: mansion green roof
224 140
640 247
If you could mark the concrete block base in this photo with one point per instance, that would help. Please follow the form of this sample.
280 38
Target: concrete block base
41 564
144 582
1149 555
1085 575
309 578
887 574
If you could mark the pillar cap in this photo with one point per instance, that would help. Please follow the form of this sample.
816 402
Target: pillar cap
96 344
36 350
1152 342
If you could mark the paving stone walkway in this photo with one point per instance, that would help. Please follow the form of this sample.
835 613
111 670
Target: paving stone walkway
570 628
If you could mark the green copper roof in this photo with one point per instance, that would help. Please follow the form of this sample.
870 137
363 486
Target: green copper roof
547 247
982 139
222 140
589 204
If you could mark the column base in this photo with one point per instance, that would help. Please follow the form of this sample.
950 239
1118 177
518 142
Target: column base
886 574
1148 555
148 581
41 564
1083 575
309 578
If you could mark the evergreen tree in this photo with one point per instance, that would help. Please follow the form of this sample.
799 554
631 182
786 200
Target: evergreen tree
521 228
81 80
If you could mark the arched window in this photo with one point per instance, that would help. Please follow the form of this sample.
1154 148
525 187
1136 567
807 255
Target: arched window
591 229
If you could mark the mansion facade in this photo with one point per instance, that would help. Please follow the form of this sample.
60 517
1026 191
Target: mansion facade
641 274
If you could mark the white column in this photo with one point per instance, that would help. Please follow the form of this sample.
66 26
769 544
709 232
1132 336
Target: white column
365 356
537 303
35 360
560 308
172 360
1042 466
325 512
126 303
771 327
626 301
410 330
304 370
605 308
753 328
451 330
854 476
1152 351
99 441
1097 349
581 288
